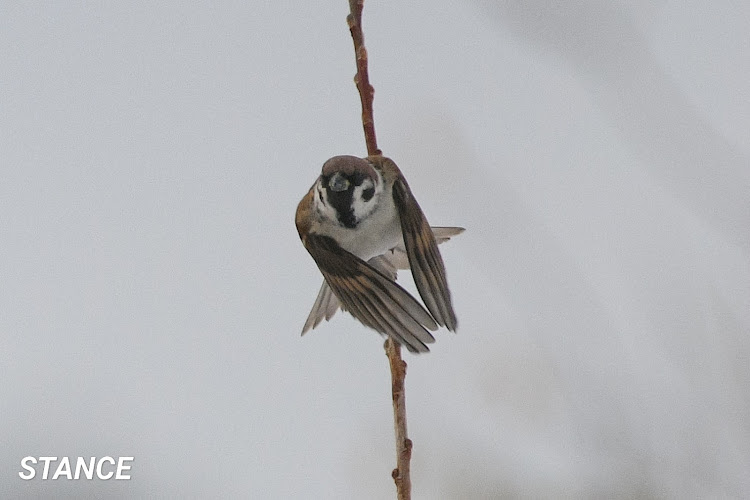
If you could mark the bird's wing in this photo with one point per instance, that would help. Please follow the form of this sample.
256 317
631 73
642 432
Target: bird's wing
424 257
326 304
369 295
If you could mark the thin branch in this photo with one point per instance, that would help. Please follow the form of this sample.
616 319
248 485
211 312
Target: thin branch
362 78
401 474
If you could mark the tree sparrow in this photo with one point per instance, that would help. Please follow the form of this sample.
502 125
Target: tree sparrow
361 223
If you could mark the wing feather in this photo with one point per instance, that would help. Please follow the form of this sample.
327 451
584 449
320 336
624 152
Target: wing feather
426 263
370 296
326 304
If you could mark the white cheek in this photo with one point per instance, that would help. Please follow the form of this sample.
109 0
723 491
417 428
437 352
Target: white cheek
361 207
324 209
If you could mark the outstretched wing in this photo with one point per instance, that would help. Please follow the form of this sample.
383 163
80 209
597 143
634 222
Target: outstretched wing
326 304
424 257
370 296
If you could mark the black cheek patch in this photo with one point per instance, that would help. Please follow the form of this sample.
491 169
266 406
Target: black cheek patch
368 193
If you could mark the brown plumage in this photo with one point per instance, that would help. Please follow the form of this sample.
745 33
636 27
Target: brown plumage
358 222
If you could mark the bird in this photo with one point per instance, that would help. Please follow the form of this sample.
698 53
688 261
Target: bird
361 223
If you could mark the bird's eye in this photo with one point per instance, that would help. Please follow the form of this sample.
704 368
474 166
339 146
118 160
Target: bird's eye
338 183
368 193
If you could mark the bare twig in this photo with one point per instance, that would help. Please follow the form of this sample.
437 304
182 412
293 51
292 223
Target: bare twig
362 78
400 474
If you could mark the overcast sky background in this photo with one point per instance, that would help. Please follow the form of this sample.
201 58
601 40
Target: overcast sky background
153 287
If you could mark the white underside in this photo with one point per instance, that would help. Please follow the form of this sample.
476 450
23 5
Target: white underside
373 236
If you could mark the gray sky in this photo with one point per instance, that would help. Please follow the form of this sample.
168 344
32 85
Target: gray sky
152 285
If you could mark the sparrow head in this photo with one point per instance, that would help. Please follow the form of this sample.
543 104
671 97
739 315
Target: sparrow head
347 190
